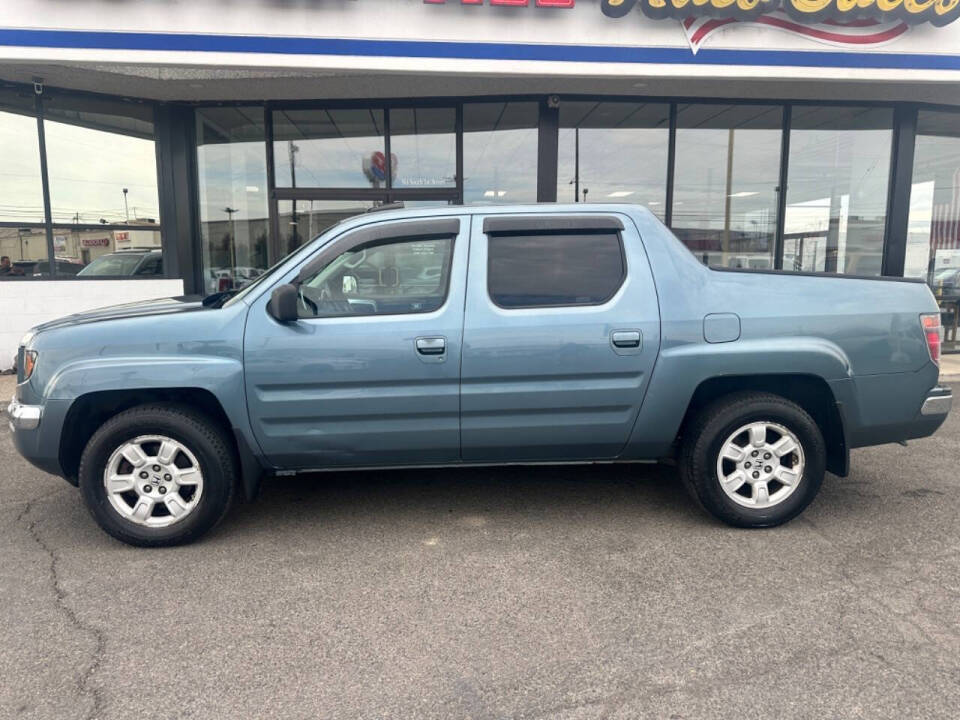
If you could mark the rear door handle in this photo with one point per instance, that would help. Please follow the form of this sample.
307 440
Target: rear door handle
626 338
431 346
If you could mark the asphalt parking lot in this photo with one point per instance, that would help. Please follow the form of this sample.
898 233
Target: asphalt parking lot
590 592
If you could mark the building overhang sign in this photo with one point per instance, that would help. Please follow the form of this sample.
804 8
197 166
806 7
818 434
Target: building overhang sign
840 23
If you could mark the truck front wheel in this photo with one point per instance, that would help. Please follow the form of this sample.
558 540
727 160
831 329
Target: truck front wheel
158 475
753 459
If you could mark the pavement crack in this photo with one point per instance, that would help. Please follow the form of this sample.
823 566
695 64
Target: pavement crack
83 681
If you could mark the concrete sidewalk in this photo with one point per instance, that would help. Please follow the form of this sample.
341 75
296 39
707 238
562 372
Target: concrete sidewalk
7 384
950 368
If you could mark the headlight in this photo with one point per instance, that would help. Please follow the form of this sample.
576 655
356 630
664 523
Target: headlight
29 363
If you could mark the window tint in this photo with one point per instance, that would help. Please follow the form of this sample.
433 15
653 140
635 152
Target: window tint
556 269
393 278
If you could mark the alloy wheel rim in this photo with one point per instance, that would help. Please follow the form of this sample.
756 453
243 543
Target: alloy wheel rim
153 481
760 464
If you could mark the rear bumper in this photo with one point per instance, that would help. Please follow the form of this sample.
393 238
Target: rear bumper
938 402
893 407
932 413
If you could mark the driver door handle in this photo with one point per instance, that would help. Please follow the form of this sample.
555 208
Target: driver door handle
431 346
626 338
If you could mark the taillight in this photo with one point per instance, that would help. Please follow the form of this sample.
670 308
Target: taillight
933 331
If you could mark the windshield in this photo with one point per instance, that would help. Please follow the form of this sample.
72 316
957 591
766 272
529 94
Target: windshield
115 264
256 283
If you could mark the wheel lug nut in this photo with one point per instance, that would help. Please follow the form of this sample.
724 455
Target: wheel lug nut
747 464
147 488
162 490
144 475
156 468
755 453
755 474
168 477
768 469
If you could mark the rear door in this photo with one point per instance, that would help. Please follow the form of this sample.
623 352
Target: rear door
561 332
370 372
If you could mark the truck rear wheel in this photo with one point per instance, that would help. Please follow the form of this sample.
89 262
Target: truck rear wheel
158 475
753 459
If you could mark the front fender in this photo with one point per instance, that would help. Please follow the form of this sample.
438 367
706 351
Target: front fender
221 376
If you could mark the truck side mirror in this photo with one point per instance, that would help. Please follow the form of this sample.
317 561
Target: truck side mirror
283 303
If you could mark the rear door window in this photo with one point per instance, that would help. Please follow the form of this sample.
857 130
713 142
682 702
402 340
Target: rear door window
554 269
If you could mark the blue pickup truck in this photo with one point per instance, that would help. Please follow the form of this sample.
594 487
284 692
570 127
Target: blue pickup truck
480 335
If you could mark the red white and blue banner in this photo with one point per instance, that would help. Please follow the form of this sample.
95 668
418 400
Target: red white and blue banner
851 34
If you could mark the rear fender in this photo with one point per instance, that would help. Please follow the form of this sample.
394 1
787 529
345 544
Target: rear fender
680 370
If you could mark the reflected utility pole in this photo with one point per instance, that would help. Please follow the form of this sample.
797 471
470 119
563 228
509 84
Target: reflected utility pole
126 208
576 165
292 150
232 235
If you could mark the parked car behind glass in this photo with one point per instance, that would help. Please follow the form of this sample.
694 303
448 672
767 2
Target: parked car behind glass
125 262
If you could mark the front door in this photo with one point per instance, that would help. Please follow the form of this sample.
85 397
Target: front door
369 374
561 333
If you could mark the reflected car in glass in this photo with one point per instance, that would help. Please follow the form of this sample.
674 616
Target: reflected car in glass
125 262
39 268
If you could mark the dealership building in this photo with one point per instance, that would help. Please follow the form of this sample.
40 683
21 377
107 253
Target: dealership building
151 148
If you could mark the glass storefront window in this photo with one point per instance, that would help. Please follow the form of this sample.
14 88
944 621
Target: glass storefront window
933 247
423 142
21 192
101 161
23 252
500 143
725 182
303 220
329 148
23 239
933 232
837 189
234 221
614 152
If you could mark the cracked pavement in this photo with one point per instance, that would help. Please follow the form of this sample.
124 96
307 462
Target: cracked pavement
574 593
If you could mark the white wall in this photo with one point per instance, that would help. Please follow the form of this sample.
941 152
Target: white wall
24 304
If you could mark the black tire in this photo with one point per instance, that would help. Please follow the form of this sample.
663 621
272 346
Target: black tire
706 435
205 439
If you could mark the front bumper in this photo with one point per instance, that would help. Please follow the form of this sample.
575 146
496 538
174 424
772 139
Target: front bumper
24 417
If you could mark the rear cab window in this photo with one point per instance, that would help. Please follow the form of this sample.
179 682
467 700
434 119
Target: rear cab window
559 267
